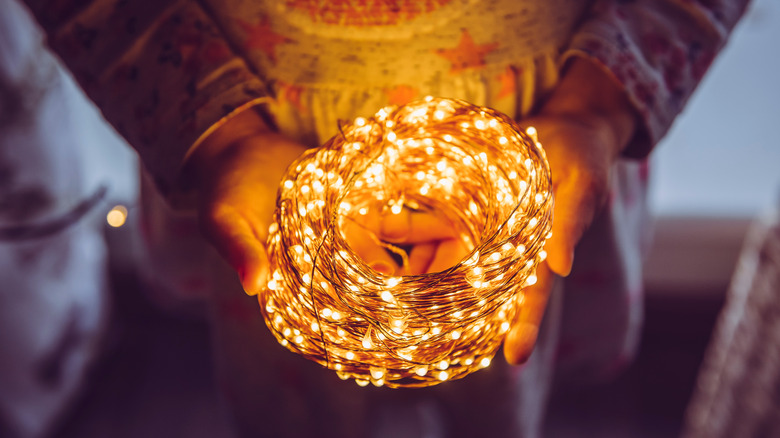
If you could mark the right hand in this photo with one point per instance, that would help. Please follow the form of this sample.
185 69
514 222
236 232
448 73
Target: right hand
237 170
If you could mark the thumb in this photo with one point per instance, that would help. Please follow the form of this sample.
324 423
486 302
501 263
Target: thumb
577 201
521 339
236 239
252 267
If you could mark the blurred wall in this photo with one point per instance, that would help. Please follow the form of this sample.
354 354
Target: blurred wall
719 167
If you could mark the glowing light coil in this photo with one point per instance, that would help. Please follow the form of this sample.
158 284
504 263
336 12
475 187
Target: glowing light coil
471 164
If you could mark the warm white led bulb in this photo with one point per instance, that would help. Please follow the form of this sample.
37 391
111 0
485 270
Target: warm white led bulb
470 164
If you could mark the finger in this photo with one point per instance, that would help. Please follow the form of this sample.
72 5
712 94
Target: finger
576 203
448 253
368 248
415 227
521 339
254 275
237 240
420 258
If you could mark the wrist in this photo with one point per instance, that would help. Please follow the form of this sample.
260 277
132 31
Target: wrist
588 94
209 151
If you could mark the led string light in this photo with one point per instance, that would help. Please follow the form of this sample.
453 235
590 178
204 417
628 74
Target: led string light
470 164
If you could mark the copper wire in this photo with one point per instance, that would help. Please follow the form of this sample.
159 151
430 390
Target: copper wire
470 164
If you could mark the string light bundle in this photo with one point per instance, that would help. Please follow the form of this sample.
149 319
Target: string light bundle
469 164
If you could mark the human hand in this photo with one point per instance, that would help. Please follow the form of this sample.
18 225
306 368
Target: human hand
580 148
237 170
421 241
583 127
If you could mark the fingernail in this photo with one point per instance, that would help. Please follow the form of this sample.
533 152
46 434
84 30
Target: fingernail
382 268
252 284
248 289
570 263
523 338
394 236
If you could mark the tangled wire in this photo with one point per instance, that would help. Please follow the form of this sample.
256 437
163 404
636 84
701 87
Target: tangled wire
469 164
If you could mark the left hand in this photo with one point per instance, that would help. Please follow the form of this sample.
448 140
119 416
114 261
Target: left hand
580 153
580 149
583 127
433 243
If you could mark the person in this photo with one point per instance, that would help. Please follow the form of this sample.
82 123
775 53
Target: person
218 97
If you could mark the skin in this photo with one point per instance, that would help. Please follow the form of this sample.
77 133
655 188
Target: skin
584 126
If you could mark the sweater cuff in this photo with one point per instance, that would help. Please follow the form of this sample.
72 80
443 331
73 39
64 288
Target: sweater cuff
643 86
162 73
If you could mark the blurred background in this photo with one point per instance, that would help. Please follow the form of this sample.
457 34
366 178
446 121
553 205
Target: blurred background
713 175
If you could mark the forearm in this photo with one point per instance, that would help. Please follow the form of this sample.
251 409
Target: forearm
658 50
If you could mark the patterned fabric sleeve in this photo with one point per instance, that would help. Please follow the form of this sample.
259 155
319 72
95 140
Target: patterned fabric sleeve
161 72
658 50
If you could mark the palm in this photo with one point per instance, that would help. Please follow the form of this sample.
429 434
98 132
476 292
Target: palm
238 198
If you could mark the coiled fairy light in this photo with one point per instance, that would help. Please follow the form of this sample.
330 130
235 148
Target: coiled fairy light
472 165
